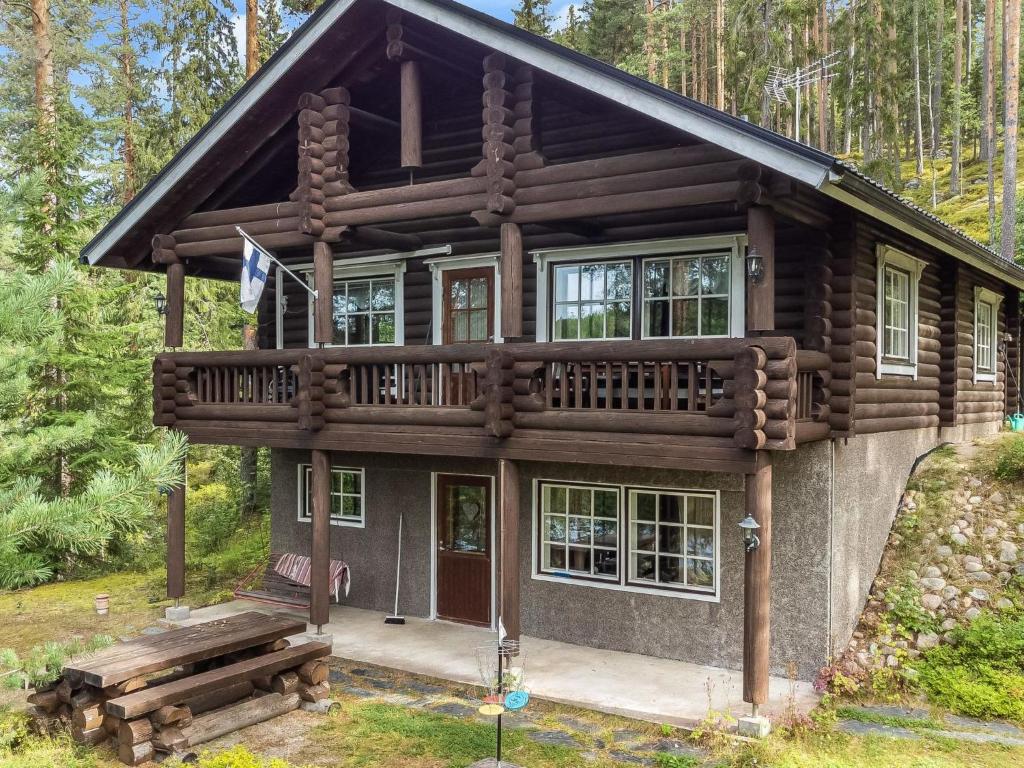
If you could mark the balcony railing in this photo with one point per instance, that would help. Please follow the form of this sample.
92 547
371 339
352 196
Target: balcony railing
760 392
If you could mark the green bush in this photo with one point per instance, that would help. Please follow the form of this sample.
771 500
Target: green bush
906 613
42 664
981 674
212 517
1008 458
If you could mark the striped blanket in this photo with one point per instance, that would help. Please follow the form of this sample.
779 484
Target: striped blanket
298 568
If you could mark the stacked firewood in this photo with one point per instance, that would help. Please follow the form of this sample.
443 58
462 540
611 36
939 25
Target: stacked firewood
70 704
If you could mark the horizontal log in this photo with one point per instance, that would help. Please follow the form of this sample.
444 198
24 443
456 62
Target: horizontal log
227 231
240 215
233 718
233 245
623 164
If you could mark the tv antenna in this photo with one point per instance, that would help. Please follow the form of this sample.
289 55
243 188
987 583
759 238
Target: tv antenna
779 81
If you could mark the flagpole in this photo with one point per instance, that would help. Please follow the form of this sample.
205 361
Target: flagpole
273 258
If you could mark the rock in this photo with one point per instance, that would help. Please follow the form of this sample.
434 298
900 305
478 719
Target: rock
891 661
961 524
1020 529
974 482
958 538
1005 576
979 594
989 532
1007 552
949 624
972 613
953 530
944 550
974 501
1004 604
927 640
981 576
997 498
932 572
931 601
933 584
950 592
973 566
913 184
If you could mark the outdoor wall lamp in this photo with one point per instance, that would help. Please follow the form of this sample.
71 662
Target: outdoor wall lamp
755 265
749 527
160 303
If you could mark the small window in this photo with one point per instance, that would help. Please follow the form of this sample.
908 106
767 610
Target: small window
896 310
672 539
579 530
364 311
346 495
986 333
686 296
593 301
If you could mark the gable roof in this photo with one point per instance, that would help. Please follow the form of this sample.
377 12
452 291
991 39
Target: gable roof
804 163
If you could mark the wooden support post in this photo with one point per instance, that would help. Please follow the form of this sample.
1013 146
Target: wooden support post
176 542
320 546
508 487
511 281
323 280
174 321
757 585
412 115
761 294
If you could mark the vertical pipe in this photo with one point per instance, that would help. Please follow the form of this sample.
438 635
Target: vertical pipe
176 542
412 115
320 546
174 321
323 305
757 585
761 294
508 487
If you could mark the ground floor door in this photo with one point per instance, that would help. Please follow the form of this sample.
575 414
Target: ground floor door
463 559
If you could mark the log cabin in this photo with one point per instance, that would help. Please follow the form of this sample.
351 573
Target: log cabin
572 328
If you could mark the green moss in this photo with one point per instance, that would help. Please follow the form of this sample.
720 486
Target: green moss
893 721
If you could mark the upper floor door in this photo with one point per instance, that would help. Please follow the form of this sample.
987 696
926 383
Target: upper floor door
468 305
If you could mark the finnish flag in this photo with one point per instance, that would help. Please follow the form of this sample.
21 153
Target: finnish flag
255 268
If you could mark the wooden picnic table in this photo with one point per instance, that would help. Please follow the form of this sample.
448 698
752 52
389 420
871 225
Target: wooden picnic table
153 653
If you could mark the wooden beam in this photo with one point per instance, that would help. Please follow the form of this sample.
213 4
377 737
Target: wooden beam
761 294
323 305
508 487
511 281
176 542
412 115
174 320
384 238
757 586
320 546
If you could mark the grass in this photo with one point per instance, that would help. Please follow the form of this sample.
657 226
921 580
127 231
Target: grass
892 721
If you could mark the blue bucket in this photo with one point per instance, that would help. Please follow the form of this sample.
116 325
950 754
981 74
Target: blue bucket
1017 422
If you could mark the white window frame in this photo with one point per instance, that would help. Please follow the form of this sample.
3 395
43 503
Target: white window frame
670 258
543 541
622 583
735 244
439 265
993 300
579 302
390 269
888 256
304 481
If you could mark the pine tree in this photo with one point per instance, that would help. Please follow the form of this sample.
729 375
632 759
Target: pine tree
534 16
571 35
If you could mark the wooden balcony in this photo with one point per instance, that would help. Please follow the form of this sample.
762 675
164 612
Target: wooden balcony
702 404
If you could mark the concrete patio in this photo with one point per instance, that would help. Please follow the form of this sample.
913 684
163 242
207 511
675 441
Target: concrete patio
643 687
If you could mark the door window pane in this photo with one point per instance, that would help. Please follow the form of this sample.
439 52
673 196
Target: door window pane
468 308
467 518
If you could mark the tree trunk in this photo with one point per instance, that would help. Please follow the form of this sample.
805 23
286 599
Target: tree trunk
720 54
936 102
252 43
247 456
958 63
128 108
652 65
918 127
822 26
988 114
1012 102
42 44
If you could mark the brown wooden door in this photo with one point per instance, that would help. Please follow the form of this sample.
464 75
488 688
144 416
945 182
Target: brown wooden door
464 549
468 305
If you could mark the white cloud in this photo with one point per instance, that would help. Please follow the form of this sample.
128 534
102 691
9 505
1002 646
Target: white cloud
561 16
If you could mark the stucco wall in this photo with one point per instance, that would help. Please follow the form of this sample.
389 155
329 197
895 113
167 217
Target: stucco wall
674 627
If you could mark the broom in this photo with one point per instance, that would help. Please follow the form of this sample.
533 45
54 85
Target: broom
394 617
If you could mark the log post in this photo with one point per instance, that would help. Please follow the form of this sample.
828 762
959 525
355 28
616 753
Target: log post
757 585
176 542
174 322
508 487
320 546
511 281
761 293
323 280
412 115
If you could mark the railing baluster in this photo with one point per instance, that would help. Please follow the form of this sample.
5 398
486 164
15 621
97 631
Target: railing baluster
624 386
673 389
692 385
422 375
656 369
609 386
549 384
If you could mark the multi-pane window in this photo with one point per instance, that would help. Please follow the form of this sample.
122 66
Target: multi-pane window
364 311
686 296
672 539
896 313
579 530
593 301
346 495
985 337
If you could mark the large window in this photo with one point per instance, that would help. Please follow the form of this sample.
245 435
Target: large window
364 311
986 333
897 280
347 499
580 530
593 301
672 539
635 539
686 296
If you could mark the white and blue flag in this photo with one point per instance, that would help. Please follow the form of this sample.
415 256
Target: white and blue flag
255 269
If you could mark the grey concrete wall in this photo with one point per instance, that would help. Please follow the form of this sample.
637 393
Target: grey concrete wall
674 627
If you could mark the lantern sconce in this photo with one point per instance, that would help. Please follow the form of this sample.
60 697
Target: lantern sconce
755 265
160 303
750 526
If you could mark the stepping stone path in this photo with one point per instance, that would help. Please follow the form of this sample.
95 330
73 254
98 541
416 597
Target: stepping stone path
592 740
917 723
